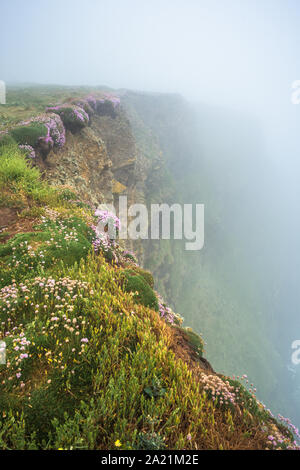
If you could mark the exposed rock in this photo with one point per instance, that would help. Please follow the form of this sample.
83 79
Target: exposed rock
83 164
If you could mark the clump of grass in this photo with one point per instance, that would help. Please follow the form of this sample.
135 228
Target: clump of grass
6 140
142 292
150 441
146 275
19 177
15 169
73 117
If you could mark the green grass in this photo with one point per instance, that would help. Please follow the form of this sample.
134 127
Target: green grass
88 395
31 253
69 118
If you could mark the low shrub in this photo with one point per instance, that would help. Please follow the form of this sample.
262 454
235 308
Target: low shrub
67 195
29 134
56 134
42 132
105 104
150 441
92 101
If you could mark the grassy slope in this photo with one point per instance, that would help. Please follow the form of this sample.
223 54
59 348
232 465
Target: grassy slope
133 382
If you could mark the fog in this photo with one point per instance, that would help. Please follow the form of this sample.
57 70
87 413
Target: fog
235 57
240 54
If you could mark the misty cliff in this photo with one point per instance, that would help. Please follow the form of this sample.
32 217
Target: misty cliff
107 362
